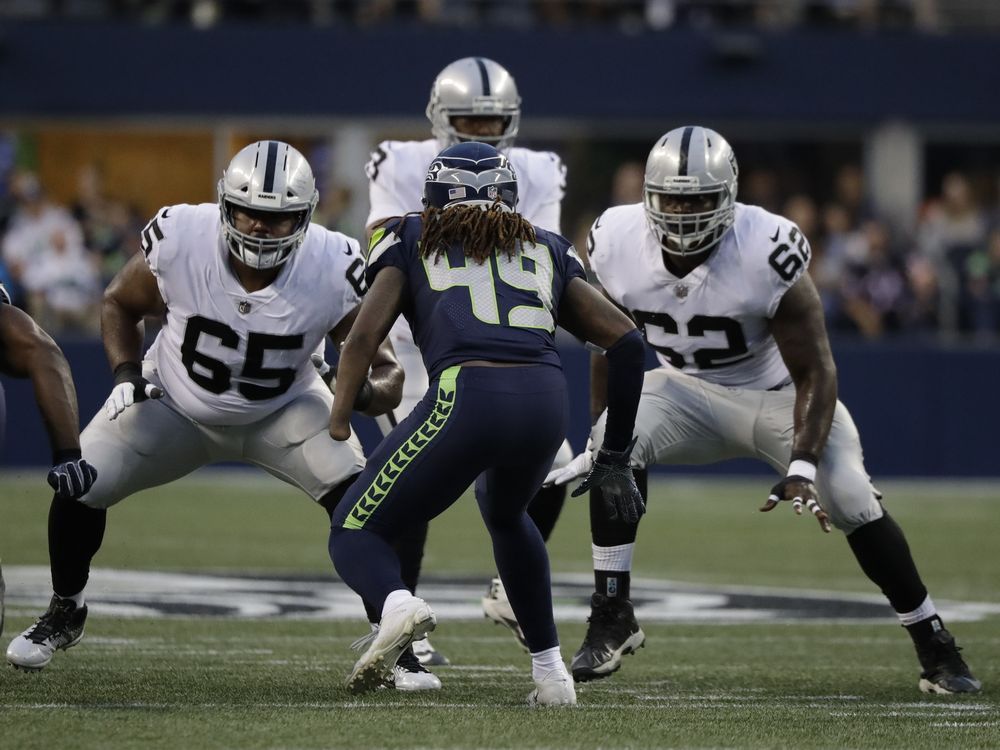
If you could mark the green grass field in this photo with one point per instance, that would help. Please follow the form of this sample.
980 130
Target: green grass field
277 683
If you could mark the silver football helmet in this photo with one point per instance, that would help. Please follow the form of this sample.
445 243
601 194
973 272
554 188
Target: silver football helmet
267 176
474 87
690 161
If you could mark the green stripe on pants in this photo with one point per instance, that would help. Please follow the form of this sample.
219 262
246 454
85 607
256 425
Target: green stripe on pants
405 453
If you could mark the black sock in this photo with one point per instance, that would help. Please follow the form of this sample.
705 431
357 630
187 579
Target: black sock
605 532
545 507
884 556
614 584
75 534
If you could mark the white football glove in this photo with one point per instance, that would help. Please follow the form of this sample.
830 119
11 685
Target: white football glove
123 396
578 467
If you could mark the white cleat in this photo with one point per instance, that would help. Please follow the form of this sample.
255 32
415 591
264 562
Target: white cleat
554 689
410 675
496 607
61 627
408 622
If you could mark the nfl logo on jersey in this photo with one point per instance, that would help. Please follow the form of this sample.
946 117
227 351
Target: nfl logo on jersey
243 307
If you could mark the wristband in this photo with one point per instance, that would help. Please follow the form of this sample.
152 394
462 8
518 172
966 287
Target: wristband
801 467
127 372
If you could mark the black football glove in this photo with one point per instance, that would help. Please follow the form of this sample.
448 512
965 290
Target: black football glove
71 476
130 388
613 475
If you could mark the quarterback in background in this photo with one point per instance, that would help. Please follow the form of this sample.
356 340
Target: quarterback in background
247 289
482 290
720 291
472 99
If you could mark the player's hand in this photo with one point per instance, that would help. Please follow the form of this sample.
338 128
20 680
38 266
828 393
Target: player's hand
340 429
612 473
580 466
71 477
802 492
328 373
130 388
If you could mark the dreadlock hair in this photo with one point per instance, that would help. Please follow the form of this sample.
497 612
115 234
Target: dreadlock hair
479 231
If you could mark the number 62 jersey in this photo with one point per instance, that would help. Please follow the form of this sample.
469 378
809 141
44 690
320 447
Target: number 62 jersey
713 322
226 356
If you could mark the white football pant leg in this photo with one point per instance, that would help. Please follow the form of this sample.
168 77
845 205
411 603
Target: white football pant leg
294 444
149 444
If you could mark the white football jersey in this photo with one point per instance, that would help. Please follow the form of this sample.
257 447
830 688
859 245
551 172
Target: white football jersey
713 322
396 173
397 170
229 357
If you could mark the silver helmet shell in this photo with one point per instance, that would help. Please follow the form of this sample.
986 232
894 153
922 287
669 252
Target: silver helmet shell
267 176
688 161
474 87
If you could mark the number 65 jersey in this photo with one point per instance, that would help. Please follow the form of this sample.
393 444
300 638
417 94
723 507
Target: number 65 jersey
713 322
226 356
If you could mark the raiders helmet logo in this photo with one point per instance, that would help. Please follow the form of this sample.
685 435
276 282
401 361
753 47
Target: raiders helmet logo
243 307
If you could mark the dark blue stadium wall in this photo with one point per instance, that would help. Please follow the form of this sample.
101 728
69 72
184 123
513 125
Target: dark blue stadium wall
922 410
831 79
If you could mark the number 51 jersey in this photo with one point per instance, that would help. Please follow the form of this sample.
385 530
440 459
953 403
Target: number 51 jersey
713 322
226 356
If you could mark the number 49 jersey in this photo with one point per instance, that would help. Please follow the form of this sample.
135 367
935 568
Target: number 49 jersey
713 322
226 356
501 310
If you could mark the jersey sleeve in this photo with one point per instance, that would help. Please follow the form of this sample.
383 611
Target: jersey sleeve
598 250
547 211
787 259
350 278
155 246
384 197
385 248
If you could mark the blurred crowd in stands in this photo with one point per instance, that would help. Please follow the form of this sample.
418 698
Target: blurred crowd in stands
629 15
939 276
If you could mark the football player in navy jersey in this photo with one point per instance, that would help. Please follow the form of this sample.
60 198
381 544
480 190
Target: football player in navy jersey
482 290
26 351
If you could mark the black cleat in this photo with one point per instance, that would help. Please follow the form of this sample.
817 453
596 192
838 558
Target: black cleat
944 669
59 628
611 633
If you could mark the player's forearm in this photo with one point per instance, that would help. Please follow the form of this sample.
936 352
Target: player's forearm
598 386
122 332
56 396
815 402
356 357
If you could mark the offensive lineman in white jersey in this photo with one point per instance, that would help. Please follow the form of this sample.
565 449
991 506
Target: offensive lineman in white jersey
472 99
720 291
247 289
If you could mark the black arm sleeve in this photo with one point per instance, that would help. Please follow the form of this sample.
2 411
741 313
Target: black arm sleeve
626 366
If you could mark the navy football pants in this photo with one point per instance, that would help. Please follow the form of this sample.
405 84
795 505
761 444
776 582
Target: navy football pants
497 426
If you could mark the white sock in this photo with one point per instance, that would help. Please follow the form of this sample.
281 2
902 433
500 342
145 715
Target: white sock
544 662
613 558
395 598
921 613
78 599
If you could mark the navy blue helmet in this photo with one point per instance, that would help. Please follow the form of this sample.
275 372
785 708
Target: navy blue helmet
470 174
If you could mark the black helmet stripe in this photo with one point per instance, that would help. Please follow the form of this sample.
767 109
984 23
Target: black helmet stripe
682 168
484 76
269 168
